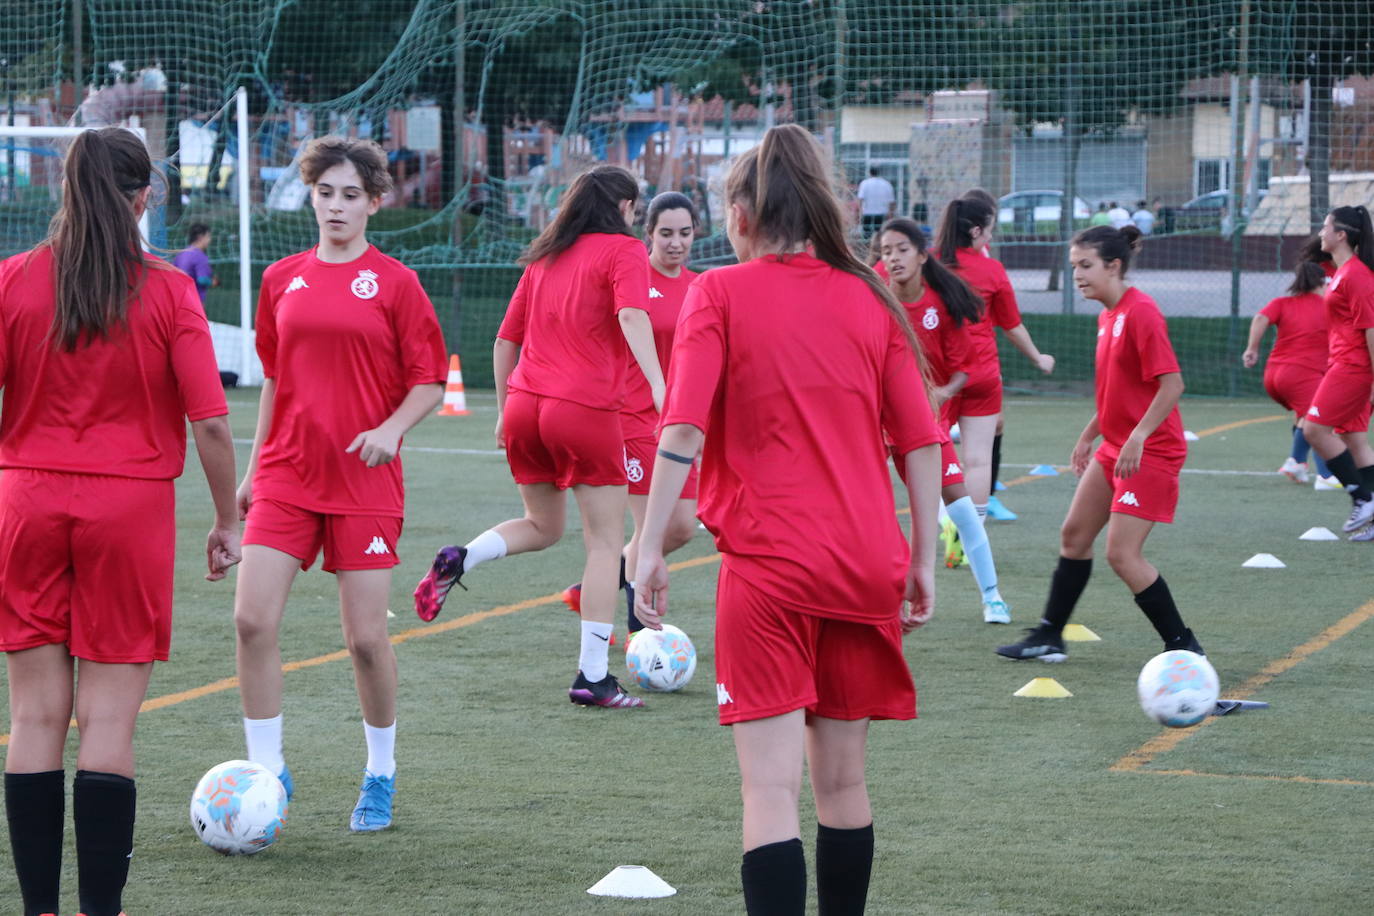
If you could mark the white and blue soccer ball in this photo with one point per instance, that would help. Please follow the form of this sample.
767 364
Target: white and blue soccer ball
238 808
1178 688
661 660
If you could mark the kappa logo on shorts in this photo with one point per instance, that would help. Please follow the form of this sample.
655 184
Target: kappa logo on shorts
364 285
654 293
378 546
1118 325
1128 499
297 282
634 470
931 319
722 695
951 469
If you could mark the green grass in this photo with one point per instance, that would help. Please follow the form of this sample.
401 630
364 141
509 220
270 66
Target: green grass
513 801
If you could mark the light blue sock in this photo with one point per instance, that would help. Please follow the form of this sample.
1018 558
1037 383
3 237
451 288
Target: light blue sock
976 547
1300 447
1322 469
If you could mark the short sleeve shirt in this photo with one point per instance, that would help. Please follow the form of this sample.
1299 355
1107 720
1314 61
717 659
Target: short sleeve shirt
1133 351
115 406
948 348
1300 323
793 369
343 344
989 280
564 317
639 418
195 264
1349 313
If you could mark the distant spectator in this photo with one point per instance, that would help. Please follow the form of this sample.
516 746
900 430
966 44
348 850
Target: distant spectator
1118 216
1143 218
194 262
1100 218
877 202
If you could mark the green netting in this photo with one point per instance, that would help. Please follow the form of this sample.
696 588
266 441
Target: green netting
487 110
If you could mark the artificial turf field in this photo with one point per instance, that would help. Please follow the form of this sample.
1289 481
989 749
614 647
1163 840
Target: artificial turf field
511 800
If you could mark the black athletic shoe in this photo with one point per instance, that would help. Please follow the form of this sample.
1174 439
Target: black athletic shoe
1040 643
1188 643
606 692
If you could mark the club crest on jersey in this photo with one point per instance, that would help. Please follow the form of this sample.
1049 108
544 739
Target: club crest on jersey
1118 325
364 285
634 470
931 319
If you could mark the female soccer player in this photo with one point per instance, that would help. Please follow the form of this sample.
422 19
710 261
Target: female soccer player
942 308
353 358
561 363
670 222
791 365
1298 361
1130 481
1337 421
89 458
965 231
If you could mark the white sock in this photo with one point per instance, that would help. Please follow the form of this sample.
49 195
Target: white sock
596 647
381 749
264 743
974 538
981 510
486 546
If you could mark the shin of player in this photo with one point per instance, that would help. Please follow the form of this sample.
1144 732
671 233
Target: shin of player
1129 482
353 358
805 656
1337 422
560 362
88 458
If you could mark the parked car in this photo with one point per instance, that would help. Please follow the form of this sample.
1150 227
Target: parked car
1036 211
1207 212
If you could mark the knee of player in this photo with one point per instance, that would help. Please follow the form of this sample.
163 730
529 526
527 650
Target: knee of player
369 650
1124 560
679 533
253 626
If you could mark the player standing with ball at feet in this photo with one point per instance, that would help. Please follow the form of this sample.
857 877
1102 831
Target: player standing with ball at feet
790 366
88 457
670 224
561 362
353 358
1337 423
1130 481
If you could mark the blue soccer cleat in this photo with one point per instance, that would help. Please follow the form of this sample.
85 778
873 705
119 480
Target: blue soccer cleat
373 810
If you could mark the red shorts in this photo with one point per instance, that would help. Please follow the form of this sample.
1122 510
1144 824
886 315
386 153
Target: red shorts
640 453
981 397
771 660
349 541
950 470
1291 386
1342 399
550 440
88 561
1150 493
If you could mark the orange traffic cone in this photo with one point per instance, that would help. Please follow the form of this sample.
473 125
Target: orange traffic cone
455 401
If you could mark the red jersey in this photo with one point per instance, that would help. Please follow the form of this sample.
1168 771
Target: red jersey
1301 327
948 349
638 418
345 344
1349 313
989 280
793 369
1133 351
116 406
563 316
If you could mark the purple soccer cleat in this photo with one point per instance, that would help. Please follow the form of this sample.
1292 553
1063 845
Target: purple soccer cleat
606 692
446 572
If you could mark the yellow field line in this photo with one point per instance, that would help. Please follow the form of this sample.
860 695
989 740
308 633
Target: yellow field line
1225 427
1167 741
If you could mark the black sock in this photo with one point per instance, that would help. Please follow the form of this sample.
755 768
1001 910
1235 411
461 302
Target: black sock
103 808
632 622
35 805
1066 587
623 580
774 879
844 861
1366 477
996 460
1158 604
1343 466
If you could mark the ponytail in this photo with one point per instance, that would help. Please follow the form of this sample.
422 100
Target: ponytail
961 302
961 217
591 204
784 183
1308 277
96 244
1359 231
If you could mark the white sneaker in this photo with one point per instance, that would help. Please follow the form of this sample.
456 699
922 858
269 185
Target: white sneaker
1360 516
1327 483
1364 534
998 611
1295 471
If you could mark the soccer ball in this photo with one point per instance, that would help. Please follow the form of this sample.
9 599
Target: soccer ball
661 660
238 808
1178 688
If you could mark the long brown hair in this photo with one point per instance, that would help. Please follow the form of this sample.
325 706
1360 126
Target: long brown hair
962 216
787 188
963 304
591 204
97 248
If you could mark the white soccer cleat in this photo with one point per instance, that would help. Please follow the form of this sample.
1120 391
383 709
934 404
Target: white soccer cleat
1362 514
1326 483
1295 471
996 612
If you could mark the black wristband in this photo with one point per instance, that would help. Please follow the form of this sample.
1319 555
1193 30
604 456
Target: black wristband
673 456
